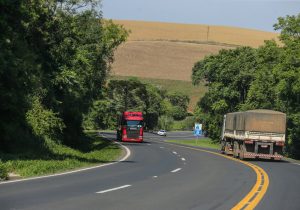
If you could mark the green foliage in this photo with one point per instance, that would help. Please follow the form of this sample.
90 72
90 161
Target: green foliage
180 103
228 75
165 122
102 115
187 124
3 172
60 53
177 86
44 123
134 95
246 78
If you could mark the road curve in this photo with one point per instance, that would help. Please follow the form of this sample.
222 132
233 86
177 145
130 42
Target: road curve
155 176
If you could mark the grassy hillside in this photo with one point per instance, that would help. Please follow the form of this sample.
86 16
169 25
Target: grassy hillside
186 87
168 51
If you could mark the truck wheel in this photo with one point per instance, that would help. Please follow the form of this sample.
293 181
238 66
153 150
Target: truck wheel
242 152
222 147
235 149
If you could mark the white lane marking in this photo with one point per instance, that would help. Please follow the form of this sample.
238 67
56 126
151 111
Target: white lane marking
128 153
296 164
177 169
161 147
113 189
148 144
154 176
183 159
174 152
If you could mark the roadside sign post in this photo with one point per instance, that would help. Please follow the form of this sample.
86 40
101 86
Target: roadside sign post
197 131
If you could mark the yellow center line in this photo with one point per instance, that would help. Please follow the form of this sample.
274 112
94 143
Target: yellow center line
251 200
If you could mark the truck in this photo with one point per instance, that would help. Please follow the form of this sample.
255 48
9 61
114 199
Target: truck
130 127
253 134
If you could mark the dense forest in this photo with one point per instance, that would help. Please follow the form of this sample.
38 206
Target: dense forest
246 78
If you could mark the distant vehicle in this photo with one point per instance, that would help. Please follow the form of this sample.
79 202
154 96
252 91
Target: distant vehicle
254 134
162 133
131 127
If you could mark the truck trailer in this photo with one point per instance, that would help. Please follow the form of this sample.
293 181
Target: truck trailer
254 134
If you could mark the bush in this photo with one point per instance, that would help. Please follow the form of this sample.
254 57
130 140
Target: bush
3 172
44 123
186 124
165 122
178 113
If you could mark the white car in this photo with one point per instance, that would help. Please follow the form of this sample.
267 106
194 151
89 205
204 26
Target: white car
162 133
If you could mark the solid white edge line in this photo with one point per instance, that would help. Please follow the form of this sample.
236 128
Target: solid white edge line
128 153
113 189
175 170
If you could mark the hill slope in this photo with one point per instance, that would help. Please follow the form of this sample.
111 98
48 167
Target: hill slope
160 59
168 51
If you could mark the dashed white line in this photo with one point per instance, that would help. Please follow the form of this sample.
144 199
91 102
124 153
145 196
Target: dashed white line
148 144
154 176
183 159
175 170
113 189
174 152
161 147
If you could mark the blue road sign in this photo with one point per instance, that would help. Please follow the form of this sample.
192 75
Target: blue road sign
198 129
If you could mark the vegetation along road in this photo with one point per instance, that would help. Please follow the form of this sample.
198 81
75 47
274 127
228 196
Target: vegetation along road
160 175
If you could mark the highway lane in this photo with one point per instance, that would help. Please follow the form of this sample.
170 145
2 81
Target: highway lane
284 188
156 176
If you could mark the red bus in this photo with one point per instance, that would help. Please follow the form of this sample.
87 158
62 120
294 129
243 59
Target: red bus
130 127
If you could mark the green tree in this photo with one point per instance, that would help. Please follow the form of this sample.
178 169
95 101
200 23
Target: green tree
228 75
288 87
180 103
165 122
59 52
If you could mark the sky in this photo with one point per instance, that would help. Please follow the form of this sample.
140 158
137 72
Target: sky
253 14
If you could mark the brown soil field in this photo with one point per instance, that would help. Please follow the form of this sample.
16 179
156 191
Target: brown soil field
141 30
160 59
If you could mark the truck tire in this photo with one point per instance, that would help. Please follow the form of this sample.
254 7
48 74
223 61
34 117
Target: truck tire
222 147
235 149
242 152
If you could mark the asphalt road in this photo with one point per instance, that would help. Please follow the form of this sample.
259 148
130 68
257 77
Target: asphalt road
158 176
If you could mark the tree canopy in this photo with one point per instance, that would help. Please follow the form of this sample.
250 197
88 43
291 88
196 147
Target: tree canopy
54 60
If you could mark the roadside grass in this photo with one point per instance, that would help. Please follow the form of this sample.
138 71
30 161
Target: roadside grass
203 142
58 158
